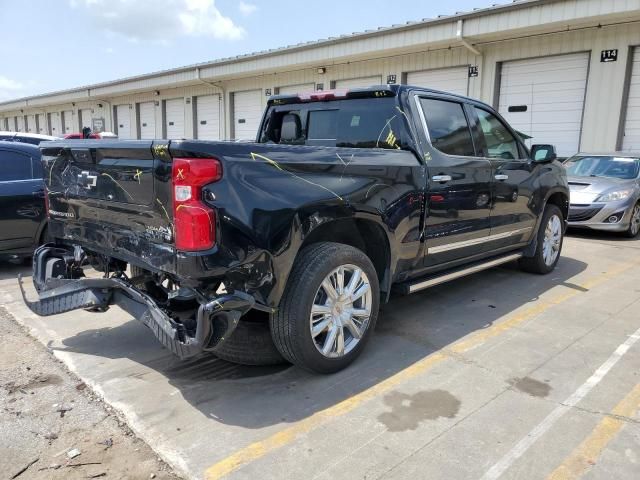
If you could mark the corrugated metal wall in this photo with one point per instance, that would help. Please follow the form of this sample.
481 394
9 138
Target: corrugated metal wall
604 94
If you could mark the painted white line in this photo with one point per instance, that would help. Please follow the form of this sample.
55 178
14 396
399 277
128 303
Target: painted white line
523 445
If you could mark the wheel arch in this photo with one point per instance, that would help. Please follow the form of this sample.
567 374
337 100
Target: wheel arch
364 234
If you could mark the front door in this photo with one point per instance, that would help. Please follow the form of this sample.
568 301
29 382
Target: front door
512 221
459 184
21 201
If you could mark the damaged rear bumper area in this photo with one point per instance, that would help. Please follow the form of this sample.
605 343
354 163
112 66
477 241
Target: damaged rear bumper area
216 319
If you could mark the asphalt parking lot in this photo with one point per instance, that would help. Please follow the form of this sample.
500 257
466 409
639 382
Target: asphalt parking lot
499 375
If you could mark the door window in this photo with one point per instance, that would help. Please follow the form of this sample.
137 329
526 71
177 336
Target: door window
448 127
496 140
14 166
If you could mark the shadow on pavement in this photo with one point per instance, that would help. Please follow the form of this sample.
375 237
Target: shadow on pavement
409 329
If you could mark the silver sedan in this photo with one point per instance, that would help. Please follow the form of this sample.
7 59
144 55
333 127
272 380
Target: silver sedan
605 192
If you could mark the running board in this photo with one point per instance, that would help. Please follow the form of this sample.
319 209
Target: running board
432 281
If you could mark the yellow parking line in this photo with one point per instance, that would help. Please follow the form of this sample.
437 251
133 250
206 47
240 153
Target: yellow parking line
585 455
286 436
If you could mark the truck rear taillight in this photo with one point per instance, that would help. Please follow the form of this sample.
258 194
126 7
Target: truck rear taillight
194 220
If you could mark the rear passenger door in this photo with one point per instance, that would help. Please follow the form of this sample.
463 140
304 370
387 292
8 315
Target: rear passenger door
459 183
512 221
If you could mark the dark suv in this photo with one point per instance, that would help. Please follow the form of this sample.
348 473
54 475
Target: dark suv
23 217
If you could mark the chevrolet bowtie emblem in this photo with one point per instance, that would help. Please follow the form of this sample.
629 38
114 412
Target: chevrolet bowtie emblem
87 181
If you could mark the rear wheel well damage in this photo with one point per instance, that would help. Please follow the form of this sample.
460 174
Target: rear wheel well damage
365 235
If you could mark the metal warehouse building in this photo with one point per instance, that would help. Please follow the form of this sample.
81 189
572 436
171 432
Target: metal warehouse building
565 72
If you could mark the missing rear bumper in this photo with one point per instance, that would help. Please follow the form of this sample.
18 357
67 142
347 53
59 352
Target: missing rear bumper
215 320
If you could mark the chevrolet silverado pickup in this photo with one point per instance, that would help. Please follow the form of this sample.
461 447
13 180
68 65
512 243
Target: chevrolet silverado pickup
285 247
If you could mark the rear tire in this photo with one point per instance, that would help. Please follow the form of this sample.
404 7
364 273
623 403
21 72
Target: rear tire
550 237
333 290
251 343
634 222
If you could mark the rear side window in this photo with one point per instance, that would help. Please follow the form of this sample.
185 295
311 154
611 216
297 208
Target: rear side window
448 127
354 123
14 166
498 140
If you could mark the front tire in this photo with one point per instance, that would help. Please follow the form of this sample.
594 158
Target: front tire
549 243
634 222
329 309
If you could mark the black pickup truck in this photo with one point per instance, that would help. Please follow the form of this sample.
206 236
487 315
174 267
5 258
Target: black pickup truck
344 198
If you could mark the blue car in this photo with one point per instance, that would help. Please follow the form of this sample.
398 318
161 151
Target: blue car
23 217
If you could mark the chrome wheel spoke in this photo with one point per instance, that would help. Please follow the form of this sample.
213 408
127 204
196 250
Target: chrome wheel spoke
329 289
353 328
330 341
354 281
340 280
340 341
320 327
320 309
360 292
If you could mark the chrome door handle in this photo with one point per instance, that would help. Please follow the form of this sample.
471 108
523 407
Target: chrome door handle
501 177
441 178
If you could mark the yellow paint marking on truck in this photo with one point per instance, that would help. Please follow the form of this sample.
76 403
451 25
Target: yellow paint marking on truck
288 435
587 453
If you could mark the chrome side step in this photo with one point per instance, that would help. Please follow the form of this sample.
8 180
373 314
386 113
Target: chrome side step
437 279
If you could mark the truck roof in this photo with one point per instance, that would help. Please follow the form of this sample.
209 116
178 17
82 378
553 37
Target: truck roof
373 91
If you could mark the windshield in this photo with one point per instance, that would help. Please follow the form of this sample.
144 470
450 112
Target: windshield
613 167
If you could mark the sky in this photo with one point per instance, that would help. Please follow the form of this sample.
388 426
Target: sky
51 45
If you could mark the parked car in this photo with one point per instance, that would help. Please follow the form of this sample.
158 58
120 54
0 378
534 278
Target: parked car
23 220
344 197
605 192
78 136
32 138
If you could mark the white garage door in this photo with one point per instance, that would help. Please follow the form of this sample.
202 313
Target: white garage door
42 124
67 122
174 118
631 139
208 117
247 113
300 88
123 117
85 118
55 124
359 82
31 124
544 98
147 120
20 123
452 80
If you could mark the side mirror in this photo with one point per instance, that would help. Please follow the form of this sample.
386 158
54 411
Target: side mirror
543 153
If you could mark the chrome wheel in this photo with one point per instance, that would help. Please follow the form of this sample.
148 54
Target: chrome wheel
552 240
635 220
341 311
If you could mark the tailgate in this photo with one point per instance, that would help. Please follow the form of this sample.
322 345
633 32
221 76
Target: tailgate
112 197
